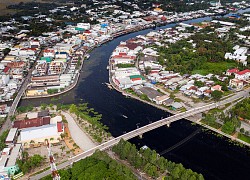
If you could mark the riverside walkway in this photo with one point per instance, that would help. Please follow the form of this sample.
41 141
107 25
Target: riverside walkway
144 129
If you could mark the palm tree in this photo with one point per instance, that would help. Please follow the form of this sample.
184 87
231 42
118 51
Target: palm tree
62 148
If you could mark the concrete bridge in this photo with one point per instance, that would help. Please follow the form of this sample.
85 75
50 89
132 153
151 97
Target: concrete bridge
144 129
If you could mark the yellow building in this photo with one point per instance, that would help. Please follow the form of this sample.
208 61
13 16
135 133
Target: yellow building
158 10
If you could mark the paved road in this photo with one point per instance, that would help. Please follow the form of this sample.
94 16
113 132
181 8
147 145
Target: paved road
20 92
145 129
80 138
7 124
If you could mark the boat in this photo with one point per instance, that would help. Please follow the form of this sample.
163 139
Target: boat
107 67
86 57
124 116
109 85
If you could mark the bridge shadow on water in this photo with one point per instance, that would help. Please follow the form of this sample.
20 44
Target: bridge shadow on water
199 150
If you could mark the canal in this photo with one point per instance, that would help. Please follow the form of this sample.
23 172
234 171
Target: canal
204 152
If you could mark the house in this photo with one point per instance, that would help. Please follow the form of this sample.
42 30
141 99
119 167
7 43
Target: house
232 71
150 92
236 83
9 156
123 58
243 75
168 102
176 105
161 99
11 137
49 53
216 88
4 109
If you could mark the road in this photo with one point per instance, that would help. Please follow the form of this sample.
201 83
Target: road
146 128
79 137
20 92
7 124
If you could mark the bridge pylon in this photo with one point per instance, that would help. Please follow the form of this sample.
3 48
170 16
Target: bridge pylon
168 124
140 136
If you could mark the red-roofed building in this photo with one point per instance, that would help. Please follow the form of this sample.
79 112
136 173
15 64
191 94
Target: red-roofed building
49 53
216 88
6 70
232 71
123 59
243 75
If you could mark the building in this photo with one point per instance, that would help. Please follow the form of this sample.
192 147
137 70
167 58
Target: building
56 68
42 69
8 166
232 71
243 75
34 122
236 83
11 138
37 136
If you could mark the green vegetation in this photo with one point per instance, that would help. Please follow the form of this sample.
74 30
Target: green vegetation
2 139
216 95
26 164
230 124
210 119
125 65
24 109
52 91
243 137
153 164
96 167
208 57
241 109
95 129
144 97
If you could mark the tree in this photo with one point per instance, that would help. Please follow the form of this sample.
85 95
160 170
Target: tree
216 95
242 130
62 148
6 51
72 108
147 70
199 83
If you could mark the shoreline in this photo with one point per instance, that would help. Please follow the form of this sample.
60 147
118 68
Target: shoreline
190 118
115 35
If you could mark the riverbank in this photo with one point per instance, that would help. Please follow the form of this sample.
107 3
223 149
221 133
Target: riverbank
115 35
81 138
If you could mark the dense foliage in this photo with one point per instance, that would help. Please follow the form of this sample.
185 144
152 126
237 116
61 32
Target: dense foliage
2 139
153 164
208 56
26 164
98 166
52 91
241 109
24 109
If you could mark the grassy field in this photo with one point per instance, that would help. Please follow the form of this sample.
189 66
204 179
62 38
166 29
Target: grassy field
215 68
244 138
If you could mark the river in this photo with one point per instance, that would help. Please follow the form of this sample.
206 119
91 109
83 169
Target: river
205 153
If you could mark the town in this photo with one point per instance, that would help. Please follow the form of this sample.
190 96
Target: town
176 68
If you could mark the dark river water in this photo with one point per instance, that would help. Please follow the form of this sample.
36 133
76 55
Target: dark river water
204 152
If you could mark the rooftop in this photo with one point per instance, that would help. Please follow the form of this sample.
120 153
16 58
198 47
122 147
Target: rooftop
11 135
